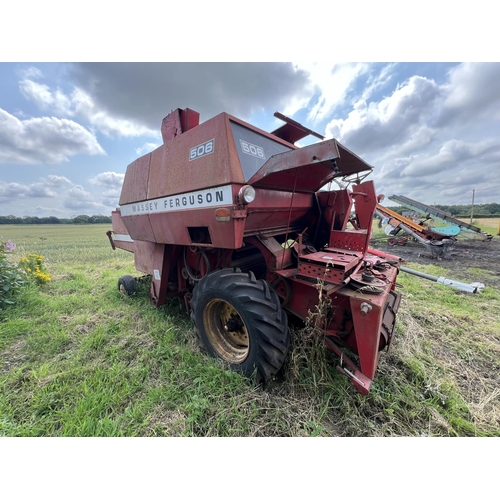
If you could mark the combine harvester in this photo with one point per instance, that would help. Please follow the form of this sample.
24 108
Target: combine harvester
232 220
438 243
450 223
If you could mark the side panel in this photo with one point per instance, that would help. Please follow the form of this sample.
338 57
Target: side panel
188 219
197 227
144 252
274 209
139 227
197 159
135 183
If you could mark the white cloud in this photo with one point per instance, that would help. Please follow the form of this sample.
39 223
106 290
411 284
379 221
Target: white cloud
110 179
43 140
378 81
30 72
110 197
55 102
12 190
473 91
453 155
393 120
79 193
333 82
146 148
57 181
86 109
420 111
39 190
80 104
15 190
427 140
79 199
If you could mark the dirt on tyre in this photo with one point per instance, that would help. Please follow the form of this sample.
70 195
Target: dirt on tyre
127 285
240 320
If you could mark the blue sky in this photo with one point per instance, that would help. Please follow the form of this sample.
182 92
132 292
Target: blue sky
69 130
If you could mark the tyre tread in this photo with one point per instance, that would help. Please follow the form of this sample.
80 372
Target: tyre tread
261 306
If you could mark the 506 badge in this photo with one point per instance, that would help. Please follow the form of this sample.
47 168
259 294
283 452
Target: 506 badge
252 149
202 150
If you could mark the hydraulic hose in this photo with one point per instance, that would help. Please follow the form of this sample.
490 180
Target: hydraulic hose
188 269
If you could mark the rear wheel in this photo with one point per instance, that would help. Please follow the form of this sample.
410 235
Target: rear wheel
240 320
126 285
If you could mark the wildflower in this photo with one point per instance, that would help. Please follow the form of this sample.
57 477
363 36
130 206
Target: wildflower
32 266
10 245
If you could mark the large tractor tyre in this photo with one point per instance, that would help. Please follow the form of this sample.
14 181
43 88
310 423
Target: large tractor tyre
127 285
240 320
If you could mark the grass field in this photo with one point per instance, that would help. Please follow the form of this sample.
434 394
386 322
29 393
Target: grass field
491 226
493 223
79 359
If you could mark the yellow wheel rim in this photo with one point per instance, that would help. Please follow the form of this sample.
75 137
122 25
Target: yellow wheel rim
226 331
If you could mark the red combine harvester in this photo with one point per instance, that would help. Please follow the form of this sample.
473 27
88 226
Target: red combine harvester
232 219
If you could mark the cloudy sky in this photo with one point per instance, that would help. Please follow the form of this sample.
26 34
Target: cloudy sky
68 131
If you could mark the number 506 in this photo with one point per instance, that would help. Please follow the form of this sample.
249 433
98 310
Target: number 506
203 149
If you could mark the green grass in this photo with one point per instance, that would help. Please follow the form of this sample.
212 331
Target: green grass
487 229
79 359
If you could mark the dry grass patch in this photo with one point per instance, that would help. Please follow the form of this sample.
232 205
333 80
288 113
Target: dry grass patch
14 356
493 222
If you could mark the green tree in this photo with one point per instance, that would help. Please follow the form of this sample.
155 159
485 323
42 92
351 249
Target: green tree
81 219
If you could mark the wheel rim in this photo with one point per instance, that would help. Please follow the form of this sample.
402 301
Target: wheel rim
226 331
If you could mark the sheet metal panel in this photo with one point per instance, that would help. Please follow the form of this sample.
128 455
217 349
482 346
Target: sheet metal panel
177 170
135 183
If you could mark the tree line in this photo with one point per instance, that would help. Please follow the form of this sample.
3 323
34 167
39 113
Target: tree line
79 219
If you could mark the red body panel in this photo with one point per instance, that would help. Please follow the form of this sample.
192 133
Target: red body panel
135 183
